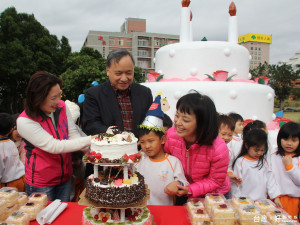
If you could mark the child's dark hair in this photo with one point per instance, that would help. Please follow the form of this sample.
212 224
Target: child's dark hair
206 116
256 124
255 137
226 121
15 117
141 131
167 122
290 129
6 124
236 117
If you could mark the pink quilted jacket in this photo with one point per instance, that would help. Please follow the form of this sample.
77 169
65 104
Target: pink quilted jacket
205 166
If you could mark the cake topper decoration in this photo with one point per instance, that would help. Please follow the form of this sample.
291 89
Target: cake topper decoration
154 116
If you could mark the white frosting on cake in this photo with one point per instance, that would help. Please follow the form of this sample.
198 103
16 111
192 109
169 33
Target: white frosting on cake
250 100
115 147
197 58
184 66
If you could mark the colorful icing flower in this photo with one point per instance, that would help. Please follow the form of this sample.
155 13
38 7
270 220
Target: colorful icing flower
220 75
154 76
261 80
248 121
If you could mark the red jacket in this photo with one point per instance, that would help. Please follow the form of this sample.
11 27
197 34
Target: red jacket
205 166
44 169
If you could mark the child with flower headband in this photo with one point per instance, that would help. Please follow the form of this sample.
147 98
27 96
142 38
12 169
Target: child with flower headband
158 167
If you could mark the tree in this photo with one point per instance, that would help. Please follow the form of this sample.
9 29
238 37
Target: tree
138 75
85 67
261 70
25 47
281 77
82 68
281 81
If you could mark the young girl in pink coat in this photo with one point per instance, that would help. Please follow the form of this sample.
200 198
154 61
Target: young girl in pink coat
194 141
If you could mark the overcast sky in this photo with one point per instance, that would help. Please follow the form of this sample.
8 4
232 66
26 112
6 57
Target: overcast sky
74 18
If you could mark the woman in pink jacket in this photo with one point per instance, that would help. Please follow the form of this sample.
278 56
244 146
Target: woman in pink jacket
194 140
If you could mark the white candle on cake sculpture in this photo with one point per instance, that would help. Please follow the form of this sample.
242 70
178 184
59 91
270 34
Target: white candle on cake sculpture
191 26
232 27
185 21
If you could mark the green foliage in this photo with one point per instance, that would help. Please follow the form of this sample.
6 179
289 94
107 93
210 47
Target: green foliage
261 70
281 77
25 47
138 75
81 70
281 81
296 92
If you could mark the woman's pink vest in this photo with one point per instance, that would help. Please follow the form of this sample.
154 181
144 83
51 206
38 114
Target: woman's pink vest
205 166
43 168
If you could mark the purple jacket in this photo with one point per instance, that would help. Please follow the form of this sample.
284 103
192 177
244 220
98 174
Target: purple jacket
43 169
205 166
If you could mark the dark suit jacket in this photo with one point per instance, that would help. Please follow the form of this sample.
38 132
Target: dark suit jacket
101 108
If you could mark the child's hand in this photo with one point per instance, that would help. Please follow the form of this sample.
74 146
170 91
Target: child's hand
171 188
287 160
278 202
182 190
235 179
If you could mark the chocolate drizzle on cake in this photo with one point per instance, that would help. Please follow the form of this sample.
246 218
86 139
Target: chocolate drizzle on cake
116 196
29 204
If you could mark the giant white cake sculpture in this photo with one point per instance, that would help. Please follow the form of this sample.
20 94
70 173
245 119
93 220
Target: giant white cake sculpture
184 66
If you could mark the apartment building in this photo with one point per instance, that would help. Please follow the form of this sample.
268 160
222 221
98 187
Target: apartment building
258 46
135 39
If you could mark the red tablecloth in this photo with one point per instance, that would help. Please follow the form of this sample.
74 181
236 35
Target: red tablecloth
163 215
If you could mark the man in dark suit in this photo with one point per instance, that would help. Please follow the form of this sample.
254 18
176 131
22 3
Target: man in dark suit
117 102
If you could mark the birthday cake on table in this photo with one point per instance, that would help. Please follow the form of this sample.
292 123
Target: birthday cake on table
115 147
112 189
219 69
117 194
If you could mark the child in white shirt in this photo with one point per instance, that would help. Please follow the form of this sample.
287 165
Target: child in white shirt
12 170
234 146
251 166
286 167
158 168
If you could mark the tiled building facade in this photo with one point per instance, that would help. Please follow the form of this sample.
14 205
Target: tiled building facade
135 39
258 46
